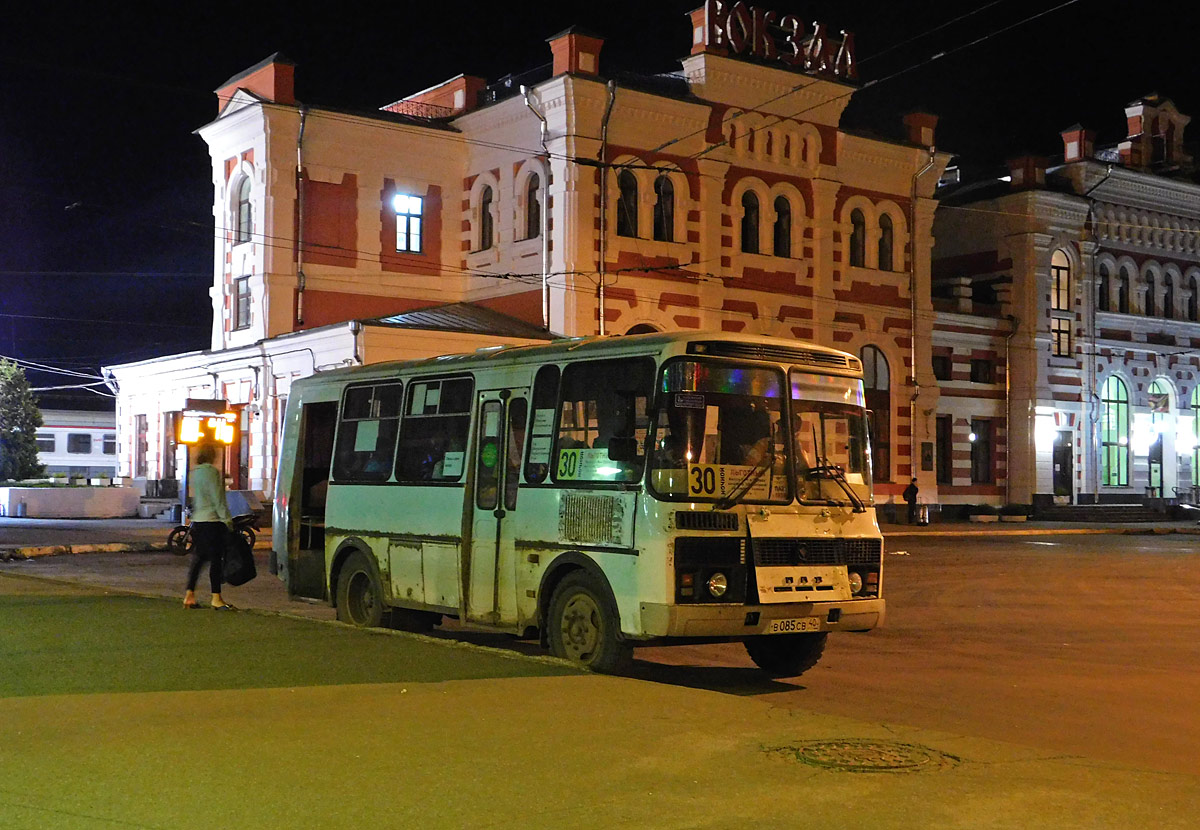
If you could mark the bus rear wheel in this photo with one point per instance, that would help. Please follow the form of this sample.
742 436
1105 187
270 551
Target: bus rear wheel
583 626
786 655
359 596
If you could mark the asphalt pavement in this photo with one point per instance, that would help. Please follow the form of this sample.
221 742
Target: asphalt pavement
283 717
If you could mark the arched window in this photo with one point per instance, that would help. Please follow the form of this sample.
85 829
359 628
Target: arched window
885 242
782 231
486 226
533 207
1193 300
1114 433
627 204
877 385
1151 291
1196 436
1168 303
749 222
664 209
1102 301
1061 318
642 328
244 222
1122 298
858 238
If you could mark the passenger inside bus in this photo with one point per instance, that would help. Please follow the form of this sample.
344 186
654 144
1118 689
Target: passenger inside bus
745 433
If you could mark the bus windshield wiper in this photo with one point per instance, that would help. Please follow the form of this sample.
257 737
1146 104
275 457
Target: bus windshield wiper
751 478
838 475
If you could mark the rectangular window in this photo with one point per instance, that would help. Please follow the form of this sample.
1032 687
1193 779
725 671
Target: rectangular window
45 442
945 450
110 444
983 371
408 222
437 420
1060 337
942 366
603 420
982 470
241 303
79 443
366 435
141 446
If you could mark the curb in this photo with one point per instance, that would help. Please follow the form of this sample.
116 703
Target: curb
37 552
1045 531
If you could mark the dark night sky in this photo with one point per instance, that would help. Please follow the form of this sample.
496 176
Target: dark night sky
105 197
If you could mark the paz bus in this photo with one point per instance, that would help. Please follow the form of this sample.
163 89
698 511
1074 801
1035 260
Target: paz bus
597 493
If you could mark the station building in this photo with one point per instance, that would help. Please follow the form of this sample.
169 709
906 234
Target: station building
567 201
1068 308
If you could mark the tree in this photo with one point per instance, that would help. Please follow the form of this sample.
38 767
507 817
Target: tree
19 420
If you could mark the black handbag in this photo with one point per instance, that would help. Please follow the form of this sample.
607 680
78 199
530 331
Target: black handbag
239 560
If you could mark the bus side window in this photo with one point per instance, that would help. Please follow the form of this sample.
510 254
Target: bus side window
487 463
367 430
541 431
433 441
603 420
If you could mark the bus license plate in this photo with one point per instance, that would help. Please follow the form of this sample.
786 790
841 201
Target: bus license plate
793 626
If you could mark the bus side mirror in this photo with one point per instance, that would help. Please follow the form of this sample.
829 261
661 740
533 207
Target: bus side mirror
622 449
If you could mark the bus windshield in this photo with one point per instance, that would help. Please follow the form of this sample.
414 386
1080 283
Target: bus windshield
832 452
719 434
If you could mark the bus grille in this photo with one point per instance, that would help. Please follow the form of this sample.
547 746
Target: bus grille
591 518
706 520
817 551
780 354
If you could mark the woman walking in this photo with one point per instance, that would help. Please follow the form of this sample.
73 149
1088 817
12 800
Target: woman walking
210 522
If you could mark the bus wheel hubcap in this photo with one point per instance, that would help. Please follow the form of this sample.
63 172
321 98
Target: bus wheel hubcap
580 627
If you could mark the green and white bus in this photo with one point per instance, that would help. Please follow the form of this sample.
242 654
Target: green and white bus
595 492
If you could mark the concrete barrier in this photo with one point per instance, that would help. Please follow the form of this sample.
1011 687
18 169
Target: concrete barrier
69 502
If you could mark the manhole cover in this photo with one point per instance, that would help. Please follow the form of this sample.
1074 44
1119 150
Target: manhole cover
867 756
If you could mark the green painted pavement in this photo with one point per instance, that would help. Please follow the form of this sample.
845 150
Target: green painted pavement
63 639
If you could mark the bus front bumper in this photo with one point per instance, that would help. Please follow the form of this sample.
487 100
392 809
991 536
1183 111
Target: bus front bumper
660 620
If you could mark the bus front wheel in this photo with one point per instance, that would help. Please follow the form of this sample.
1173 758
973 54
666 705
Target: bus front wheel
584 628
359 597
786 655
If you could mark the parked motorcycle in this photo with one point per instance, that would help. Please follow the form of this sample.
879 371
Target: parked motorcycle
180 541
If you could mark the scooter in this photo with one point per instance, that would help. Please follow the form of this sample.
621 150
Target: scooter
180 541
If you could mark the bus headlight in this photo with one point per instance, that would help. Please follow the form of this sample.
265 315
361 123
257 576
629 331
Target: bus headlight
856 583
717 584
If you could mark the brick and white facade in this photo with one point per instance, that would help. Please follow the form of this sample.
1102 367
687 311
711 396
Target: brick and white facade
307 243
1122 226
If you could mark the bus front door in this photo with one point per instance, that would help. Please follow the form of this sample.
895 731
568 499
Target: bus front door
490 567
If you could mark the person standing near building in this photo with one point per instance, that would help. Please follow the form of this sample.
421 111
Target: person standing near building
211 521
910 496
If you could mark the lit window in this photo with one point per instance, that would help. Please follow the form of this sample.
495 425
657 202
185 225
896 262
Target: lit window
1060 282
1060 337
1114 433
408 222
